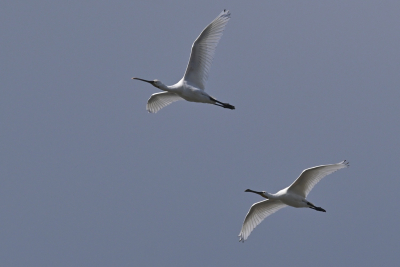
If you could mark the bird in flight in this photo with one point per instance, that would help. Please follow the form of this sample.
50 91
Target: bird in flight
191 86
293 195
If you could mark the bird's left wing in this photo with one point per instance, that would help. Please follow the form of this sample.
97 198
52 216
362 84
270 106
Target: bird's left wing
310 177
159 100
203 50
257 213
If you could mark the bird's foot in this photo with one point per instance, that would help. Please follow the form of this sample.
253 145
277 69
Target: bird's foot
219 103
318 209
226 105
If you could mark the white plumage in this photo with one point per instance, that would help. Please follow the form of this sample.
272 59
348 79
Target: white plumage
294 195
191 86
203 50
159 100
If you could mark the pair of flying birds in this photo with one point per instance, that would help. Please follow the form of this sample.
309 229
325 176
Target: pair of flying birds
191 88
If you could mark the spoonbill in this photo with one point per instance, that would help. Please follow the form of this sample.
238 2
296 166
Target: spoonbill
191 86
293 195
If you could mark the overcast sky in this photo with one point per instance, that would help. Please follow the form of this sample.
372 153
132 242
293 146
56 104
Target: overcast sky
90 178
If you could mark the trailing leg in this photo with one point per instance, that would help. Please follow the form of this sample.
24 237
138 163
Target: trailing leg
311 206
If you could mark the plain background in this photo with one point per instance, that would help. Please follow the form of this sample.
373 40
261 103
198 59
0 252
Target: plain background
89 178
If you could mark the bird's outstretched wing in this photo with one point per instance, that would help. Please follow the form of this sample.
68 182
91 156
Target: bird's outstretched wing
257 213
310 177
159 100
203 50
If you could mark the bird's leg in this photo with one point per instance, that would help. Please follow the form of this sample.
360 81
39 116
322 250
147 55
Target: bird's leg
315 208
224 105
320 209
217 104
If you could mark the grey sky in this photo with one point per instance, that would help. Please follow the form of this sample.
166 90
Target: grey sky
89 178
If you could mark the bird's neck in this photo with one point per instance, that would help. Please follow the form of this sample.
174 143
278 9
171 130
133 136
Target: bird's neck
269 196
175 88
164 87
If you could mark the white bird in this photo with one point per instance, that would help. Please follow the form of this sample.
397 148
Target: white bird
191 86
293 195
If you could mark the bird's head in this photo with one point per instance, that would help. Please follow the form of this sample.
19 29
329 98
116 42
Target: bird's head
262 193
155 83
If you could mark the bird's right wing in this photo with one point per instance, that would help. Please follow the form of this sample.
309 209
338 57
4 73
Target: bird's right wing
310 177
203 50
159 100
257 213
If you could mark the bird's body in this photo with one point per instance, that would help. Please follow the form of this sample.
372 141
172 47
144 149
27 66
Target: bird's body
191 93
293 195
191 86
288 198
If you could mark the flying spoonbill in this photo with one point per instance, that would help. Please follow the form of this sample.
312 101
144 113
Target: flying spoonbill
294 195
191 86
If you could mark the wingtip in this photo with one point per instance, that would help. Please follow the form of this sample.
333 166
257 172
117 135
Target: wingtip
150 111
226 12
241 239
346 163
